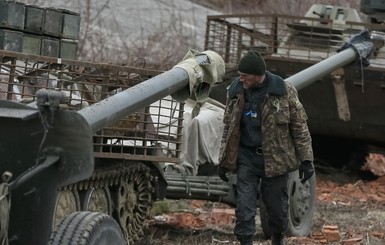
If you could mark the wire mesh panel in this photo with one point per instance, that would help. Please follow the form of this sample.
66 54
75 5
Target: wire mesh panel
150 134
282 36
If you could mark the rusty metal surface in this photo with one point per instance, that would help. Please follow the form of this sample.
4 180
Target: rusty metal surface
150 134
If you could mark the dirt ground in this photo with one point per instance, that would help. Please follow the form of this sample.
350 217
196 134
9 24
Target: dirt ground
349 210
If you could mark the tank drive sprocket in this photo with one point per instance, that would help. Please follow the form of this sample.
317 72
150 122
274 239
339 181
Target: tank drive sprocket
133 199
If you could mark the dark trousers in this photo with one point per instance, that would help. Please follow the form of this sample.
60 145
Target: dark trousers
274 195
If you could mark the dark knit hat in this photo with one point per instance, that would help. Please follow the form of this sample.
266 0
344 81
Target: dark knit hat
252 63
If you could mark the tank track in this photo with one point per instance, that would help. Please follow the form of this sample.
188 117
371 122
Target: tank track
131 187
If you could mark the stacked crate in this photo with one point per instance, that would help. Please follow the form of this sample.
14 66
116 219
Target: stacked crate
40 31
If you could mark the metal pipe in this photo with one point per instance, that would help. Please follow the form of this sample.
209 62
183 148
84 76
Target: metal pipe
116 107
306 77
220 198
203 186
192 182
195 191
200 179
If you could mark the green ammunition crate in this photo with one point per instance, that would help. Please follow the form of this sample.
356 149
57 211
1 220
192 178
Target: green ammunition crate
11 40
70 25
12 15
33 19
50 46
52 22
68 49
32 44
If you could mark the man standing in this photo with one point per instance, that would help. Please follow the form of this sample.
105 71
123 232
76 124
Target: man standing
265 138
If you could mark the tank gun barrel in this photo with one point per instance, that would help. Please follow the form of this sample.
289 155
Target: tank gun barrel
359 47
306 77
126 102
196 69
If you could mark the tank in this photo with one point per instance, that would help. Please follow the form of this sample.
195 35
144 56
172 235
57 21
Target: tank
344 107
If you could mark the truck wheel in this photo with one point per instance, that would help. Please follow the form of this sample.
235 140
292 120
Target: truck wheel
301 207
302 199
87 228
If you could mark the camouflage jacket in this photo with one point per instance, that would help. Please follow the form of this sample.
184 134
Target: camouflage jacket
286 140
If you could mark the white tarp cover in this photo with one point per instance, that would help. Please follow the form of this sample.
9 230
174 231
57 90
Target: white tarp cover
201 135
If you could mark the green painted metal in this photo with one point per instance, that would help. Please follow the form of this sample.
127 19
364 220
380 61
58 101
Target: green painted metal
12 15
68 49
70 25
33 19
52 24
11 40
50 46
32 44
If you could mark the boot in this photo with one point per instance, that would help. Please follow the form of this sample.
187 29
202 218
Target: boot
277 239
246 240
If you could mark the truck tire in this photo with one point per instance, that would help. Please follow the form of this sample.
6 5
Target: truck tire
87 228
301 207
302 199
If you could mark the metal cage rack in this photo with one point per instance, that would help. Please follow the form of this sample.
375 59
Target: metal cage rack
284 36
151 134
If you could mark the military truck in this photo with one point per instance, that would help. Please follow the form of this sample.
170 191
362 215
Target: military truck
84 136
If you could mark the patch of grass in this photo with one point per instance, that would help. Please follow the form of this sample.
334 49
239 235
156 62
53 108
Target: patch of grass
161 207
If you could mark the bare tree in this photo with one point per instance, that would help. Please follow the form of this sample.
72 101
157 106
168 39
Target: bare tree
107 37
104 38
288 7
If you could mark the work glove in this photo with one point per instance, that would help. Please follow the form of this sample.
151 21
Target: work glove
222 173
306 170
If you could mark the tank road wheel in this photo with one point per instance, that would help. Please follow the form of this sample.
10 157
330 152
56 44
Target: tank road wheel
97 200
67 202
133 201
301 207
87 228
